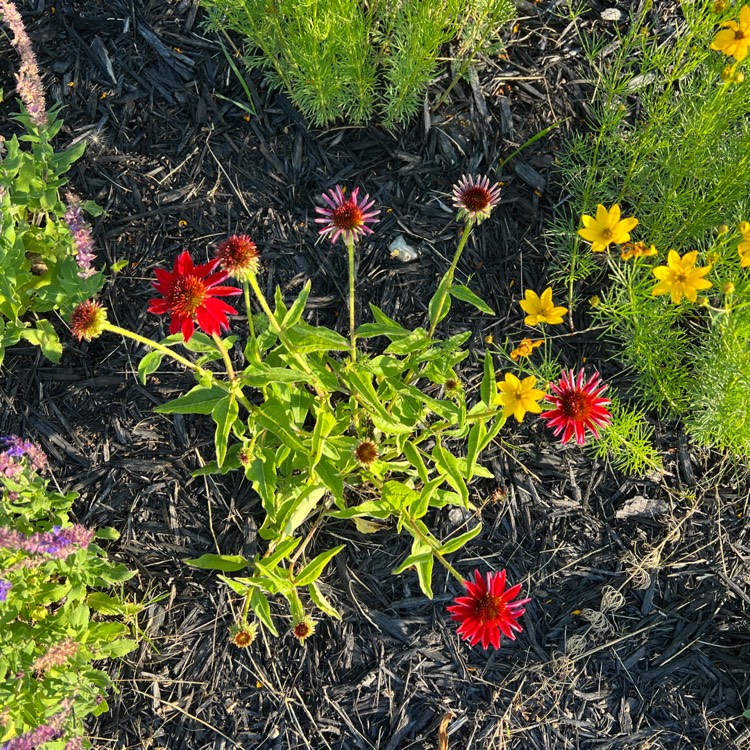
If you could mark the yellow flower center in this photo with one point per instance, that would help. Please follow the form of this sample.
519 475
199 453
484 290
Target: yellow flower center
607 234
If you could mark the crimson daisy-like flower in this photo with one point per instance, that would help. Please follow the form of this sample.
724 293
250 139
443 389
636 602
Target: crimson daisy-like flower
347 217
87 320
238 256
189 295
578 406
487 611
475 198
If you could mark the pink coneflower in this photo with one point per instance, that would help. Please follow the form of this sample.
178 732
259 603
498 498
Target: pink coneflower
475 198
238 256
87 320
346 217
487 612
189 294
578 406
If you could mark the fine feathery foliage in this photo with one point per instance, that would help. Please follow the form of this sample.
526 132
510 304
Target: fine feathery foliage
344 58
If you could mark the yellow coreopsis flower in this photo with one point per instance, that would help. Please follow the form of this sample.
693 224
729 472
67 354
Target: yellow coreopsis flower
637 250
518 396
541 309
734 39
680 277
606 228
525 348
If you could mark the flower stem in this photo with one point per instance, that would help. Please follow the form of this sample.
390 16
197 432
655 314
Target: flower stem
225 354
158 347
430 542
352 336
451 272
248 309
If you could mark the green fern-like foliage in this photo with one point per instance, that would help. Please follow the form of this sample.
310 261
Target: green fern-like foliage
719 414
347 59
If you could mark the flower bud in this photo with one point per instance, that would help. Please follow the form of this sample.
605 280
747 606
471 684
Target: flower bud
722 229
728 288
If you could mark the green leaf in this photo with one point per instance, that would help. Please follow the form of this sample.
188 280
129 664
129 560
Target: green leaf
422 561
457 542
414 456
118 265
324 424
477 434
262 610
295 511
370 330
149 365
225 563
432 308
282 551
331 477
224 413
305 338
398 495
298 307
416 341
45 337
274 417
261 375
198 400
312 571
421 505
106 605
321 602
262 475
488 388
447 464
107 532
117 649
466 295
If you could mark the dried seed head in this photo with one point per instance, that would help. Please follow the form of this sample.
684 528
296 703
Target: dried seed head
366 452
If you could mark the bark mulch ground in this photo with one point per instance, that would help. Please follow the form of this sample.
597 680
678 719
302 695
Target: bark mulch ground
636 636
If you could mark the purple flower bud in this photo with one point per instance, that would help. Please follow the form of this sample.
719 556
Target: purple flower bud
5 587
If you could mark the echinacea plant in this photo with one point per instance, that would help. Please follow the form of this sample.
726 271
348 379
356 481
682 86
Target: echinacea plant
326 428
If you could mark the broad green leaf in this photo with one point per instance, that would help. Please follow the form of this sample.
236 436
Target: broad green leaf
375 508
198 400
398 495
447 464
45 337
321 602
414 455
116 649
282 551
261 375
149 365
274 417
370 330
383 319
305 338
294 512
224 413
105 604
457 542
225 563
312 571
432 308
298 307
416 341
262 610
331 477
107 532
466 295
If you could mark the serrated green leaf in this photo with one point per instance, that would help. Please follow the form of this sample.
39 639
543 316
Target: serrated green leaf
466 295
312 571
225 563
45 337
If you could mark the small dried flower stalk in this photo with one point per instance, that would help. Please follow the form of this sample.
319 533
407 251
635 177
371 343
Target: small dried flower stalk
56 655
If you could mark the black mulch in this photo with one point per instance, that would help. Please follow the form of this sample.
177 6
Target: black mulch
637 633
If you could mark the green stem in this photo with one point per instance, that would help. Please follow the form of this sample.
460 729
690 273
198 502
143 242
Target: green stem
352 335
283 337
248 309
158 347
428 541
451 272
225 354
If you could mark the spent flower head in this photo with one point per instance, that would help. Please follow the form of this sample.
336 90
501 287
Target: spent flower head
578 406
637 250
303 629
238 256
88 320
366 452
346 217
475 198
680 277
525 348
608 227
518 396
541 309
734 38
488 611
189 295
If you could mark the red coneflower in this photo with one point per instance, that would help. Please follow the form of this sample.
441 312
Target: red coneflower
487 611
87 321
189 294
238 256
475 198
577 406
346 217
